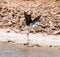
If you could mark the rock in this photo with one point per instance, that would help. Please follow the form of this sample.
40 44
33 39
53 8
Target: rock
32 31
44 25
56 32
53 12
9 23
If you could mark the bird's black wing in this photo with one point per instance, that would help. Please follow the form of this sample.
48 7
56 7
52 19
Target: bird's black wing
27 18
36 19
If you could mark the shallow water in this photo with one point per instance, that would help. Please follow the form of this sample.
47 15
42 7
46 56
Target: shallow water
18 50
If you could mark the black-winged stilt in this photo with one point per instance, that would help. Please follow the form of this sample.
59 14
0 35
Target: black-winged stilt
29 22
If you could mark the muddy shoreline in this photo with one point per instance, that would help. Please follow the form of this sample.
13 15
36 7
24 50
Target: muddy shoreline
34 39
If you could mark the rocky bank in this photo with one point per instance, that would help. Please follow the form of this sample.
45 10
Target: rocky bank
12 17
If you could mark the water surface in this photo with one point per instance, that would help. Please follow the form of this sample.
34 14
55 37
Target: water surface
18 50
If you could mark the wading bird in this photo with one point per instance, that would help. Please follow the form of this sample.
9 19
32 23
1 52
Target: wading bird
29 22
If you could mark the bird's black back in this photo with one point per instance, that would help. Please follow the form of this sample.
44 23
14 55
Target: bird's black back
27 18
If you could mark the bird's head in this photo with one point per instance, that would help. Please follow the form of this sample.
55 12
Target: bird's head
29 12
